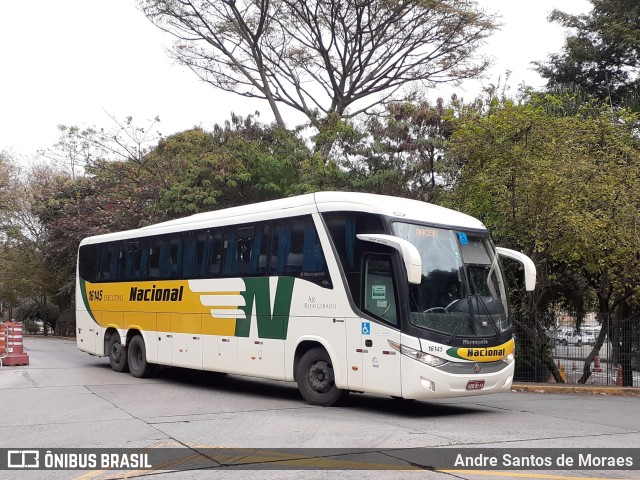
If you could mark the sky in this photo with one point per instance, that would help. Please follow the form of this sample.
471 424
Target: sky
81 62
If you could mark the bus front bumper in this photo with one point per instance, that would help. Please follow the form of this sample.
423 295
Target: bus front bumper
422 382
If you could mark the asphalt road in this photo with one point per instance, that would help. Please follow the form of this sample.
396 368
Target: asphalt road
66 398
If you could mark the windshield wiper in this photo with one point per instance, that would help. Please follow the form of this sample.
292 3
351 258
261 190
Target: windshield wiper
454 334
488 314
456 330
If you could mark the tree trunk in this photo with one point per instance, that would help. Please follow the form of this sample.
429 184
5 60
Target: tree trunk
595 351
553 368
603 302
44 317
626 343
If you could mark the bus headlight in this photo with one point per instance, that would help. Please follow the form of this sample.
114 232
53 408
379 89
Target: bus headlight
509 358
418 355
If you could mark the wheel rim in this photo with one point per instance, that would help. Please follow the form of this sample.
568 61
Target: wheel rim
320 377
116 352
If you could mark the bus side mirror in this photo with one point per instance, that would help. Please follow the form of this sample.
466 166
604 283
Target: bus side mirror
408 252
527 263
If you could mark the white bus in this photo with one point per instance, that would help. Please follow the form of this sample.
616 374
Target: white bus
335 291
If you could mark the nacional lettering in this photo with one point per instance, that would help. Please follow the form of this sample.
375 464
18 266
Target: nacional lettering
496 352
154 294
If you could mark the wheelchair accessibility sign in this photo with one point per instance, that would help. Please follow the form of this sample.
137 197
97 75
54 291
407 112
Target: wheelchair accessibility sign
366 328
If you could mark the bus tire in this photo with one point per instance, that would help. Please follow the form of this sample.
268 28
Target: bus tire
117 354
316 380
138 365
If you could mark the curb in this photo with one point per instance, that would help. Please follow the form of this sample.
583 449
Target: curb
576 389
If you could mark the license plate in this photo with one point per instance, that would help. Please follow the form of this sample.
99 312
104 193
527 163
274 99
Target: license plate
475 384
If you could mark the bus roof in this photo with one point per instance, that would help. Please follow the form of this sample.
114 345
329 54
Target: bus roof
402 208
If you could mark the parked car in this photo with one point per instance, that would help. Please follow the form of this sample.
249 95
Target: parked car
589 336
558 334
578 339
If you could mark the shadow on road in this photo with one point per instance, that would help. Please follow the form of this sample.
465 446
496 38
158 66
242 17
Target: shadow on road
253 387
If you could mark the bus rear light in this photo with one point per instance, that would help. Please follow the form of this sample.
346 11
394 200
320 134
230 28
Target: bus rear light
418 355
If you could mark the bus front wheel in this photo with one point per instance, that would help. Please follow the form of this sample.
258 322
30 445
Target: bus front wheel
316 380
117 354
138 365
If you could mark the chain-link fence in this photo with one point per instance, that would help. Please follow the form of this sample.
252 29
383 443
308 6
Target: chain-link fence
605 352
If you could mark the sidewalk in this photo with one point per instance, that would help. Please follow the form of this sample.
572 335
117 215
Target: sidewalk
574 389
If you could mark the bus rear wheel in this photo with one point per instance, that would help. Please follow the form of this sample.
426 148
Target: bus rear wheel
316 380
138 365
117 354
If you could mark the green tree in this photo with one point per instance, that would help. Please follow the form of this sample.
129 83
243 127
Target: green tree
559 188
25 275
405 150
242 161
602 55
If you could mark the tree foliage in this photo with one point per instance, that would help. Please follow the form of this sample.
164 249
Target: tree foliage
242 161
409 138
602 55
24 272
560 188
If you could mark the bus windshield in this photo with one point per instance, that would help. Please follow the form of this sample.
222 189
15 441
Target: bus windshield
462 290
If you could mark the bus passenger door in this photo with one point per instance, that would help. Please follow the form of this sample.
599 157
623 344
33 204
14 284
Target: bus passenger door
380 362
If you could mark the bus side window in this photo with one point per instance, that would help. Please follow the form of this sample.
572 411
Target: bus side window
155 257
171 257
122 261
191 254
133 261
202 254
165 257
379 292
296 251
244 249
312 254
88 262
247 250
287 247
230 245
212 267
109 257
140 261
343 228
